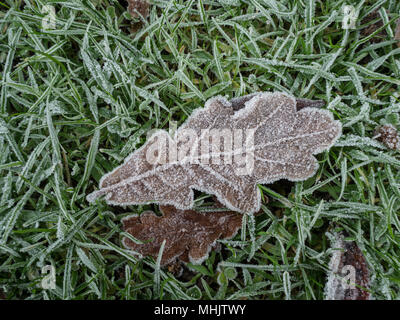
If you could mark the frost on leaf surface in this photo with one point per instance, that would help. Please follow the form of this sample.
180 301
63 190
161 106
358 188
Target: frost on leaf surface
189 235
348 277
264 138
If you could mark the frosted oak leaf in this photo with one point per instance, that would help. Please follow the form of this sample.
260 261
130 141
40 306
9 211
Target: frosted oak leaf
189 235
225 149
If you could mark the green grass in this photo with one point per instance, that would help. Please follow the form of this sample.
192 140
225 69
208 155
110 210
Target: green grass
76 100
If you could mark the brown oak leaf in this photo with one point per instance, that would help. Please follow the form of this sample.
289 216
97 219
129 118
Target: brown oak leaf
264 141
189 235
348 277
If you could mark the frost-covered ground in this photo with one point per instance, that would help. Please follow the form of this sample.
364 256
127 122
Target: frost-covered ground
79 96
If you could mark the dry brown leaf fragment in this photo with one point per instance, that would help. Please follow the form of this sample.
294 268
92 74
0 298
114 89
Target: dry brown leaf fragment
189 235
226 153
397 32
349 277
373 27
388 135
138 8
